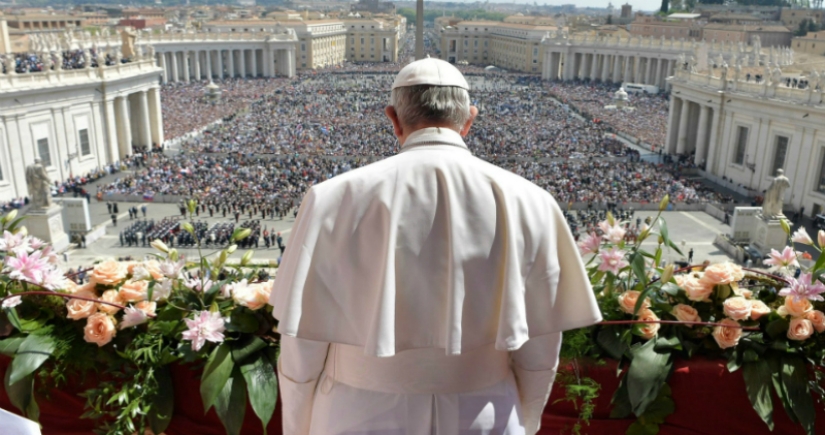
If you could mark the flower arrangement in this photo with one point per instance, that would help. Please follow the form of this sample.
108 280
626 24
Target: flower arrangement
129 323
768 324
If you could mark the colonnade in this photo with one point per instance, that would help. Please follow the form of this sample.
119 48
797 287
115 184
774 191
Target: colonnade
187 65
692 127
133 119
608 67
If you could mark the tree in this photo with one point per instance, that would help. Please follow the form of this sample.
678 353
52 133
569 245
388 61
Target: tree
803 28
610 19
665 6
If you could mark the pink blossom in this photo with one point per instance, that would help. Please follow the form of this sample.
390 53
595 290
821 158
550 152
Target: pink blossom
12 302
172 268
612 260
614 233
803 288
53 279
197 284
16 243
50 255
801 236
27 267
206 326
133 317
782 260
590 244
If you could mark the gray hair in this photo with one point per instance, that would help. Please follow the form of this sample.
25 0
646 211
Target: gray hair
416 105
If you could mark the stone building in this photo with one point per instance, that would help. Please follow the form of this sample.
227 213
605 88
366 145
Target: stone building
812 43
75 121
741 132
770 35
654 27
372 40
792 17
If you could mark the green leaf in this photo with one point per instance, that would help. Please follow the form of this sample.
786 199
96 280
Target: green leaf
246 347
795 380
775 365
663 230
639 428
819 263
243 320
21 395
230 404
757 377
215 374
778 327
648 372
658 256
620 401
31 354
9 346
163 403
667 343
670 288
637 263
660 408
262 385
609 338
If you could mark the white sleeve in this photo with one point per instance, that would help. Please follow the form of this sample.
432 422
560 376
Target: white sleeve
299 366
534 365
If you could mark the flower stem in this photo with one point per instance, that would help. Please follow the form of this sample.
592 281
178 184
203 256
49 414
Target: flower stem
65 296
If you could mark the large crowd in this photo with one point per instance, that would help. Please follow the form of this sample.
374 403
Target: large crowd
22 63
279 137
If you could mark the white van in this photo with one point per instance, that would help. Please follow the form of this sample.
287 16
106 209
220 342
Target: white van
636 87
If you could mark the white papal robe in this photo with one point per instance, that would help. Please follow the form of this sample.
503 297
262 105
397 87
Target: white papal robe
425 294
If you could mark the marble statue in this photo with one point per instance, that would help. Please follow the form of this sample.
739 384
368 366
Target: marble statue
11 65
776 77
47 61
813 81
737 72
151 52
774 196
39 185
127 45
681 60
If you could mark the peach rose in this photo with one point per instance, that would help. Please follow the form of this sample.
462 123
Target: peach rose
795 308
686 313
253 296
70 287
100 329
110 296
737 308
695 289
134 291
727 336
817 319
628 299
747 294
108 273
145 270
800 329
722 273
648 330
759 309
147 307
80 309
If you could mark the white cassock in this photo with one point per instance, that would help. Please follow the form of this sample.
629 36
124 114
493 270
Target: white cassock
425 294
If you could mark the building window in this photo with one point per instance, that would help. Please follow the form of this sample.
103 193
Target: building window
303 47
741 145
43 152
83 138
779 154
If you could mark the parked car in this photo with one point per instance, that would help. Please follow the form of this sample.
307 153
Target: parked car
819 221
754 255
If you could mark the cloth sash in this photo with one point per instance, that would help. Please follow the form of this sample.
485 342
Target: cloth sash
416 371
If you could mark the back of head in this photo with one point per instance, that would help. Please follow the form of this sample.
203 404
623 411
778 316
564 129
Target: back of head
431 92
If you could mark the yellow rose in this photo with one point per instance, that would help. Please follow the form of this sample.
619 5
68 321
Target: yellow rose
737 308
649 330
80 309
800 329
134 291
108 273
628 299
686 313
100 329
110 296
727 336
759 309
817 319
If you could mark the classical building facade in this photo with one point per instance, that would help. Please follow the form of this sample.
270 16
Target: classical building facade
372 40
741 132
76 121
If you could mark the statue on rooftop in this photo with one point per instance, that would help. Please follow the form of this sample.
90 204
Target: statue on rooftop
774 196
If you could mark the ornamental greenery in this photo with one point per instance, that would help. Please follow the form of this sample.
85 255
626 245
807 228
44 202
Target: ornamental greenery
768 325
127 326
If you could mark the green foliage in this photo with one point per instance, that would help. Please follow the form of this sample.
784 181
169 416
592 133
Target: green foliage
582 393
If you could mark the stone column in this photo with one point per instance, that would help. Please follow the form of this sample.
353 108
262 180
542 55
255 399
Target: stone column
124 128
649 71
637 70
144 123
254 62
242 62
230 57
186 63
208 65
701 135
196 55
605 66
111 131
675 105
594 65
626 73
175 74
164 73
670 67
219 59
615 76
156 115
681 139
659 73
714 131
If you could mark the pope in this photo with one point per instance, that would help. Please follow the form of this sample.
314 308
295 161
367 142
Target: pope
426 293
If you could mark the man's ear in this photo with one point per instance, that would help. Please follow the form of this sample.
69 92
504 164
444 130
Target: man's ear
396 124
469 123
